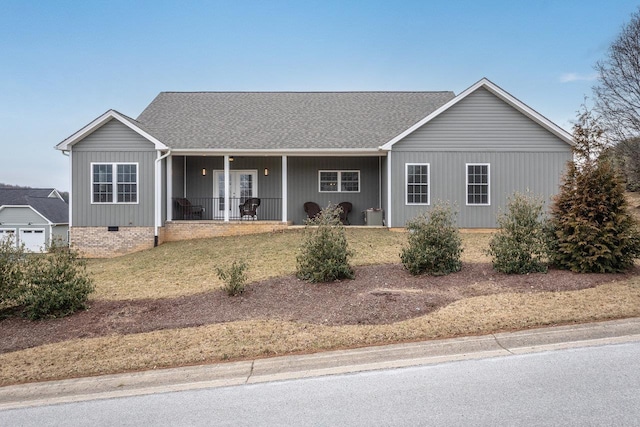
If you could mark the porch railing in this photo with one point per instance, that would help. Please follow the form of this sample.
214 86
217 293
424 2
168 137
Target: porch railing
213 208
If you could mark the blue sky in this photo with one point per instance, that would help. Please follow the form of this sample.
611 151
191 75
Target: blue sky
64 63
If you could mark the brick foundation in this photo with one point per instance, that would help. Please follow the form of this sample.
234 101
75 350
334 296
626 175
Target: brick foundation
98 242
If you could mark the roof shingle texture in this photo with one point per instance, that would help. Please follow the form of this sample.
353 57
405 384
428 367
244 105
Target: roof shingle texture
54 209
285 120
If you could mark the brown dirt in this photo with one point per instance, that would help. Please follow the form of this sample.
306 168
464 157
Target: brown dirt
380 294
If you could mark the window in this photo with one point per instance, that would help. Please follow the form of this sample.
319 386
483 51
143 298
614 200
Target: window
417 180
477 184
118 187
339 181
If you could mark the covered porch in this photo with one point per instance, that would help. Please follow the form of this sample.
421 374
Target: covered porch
245 187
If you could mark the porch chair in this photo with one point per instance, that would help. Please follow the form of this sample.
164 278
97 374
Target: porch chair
344 213
250 208
186 210
312 209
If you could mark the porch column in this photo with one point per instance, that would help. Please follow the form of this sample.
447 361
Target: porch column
389 180
226 188
169 188
284 189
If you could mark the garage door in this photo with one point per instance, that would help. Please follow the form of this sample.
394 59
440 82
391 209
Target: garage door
8 233
33 239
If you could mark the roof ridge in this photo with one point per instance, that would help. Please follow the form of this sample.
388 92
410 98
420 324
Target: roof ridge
310 92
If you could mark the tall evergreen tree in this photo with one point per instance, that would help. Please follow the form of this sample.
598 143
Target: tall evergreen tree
593 230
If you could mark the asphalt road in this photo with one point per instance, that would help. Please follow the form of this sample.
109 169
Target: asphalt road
587 386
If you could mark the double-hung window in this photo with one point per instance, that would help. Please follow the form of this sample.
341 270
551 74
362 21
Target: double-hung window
339 181
478 184
114 183
417 183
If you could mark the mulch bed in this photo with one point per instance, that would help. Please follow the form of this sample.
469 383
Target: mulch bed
380 294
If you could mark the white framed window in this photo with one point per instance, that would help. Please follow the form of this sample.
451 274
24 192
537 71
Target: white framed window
478 184
114 183
338 181
417 183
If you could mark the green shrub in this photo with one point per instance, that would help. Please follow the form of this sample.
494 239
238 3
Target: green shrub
56 284
434 243
520 245
234 277
12 266
324 254
591 226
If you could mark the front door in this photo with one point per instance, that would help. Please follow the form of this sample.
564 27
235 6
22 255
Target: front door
243 184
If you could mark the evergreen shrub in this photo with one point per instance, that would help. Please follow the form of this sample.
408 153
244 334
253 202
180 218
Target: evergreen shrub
435 245
592 229
324 254
520 245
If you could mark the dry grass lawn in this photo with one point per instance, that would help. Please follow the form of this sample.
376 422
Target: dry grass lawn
254 339
181 268
188 267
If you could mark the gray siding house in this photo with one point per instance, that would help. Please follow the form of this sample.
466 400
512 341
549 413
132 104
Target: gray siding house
186 164
33 217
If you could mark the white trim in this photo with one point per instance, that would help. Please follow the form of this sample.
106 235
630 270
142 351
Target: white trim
157 205
169 172
70 193
227 176
303 152
500 93
380 182
284 188
389 180
466 187
114 182
99 122
54 194
406 184
184 176
339 182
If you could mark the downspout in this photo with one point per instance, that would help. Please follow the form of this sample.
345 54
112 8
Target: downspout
68 154
389 180
380 181
158 196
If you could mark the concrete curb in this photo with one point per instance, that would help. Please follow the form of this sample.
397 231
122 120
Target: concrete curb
319 364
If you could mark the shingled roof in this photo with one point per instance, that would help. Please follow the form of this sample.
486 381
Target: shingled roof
52 208
285 120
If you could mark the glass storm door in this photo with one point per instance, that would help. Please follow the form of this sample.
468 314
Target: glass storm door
242 186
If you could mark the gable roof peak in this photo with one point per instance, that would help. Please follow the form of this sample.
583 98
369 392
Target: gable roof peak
97 123
501 94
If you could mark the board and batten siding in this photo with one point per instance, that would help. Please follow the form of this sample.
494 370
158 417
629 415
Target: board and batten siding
303 185
538 173
523 156
112 143
482 122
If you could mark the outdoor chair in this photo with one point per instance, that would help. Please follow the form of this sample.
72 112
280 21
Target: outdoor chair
250 208
188 211
312 209
345 207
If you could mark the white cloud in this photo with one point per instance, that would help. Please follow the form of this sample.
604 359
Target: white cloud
575 77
